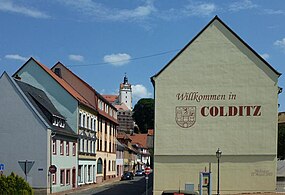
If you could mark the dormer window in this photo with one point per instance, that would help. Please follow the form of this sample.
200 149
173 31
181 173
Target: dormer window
62 124
55 121
58 122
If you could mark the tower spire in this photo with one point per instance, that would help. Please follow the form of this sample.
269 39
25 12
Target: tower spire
125 79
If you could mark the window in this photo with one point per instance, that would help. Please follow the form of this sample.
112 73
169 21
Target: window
89 173
109 167
87 146
62 174
83 122
54 178
55 121
94 147
99 166
62 123
61 147
74 149
94 123
87 125
67 148
79 120
68 177
54 146
83 145
79 174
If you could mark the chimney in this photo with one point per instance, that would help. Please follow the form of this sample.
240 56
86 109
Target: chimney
57 71
17 77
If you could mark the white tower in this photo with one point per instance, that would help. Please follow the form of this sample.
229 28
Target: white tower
125 94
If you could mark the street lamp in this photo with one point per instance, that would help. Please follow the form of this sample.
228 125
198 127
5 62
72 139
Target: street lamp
218 155
52 134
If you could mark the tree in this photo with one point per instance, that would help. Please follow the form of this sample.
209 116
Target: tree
143 114
13 184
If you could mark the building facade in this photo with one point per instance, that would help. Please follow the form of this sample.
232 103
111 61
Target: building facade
87 129
125 118
120 158
69 103
217 92
123 103
41 136
100 126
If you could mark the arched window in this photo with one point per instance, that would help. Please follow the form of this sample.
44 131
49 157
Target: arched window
99 166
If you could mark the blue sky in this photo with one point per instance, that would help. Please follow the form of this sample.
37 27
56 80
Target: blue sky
101 40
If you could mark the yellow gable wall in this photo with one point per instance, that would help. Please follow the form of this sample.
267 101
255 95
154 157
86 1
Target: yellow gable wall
216 63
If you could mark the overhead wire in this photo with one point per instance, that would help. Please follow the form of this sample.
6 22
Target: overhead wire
119 61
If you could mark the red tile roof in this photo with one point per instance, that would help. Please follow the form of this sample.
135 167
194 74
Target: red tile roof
86 90
123 135
111 98
61 82
139 139
121 106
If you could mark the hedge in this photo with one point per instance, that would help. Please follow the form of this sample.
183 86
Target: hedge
13 184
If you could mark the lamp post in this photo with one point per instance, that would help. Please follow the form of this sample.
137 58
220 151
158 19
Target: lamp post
218 155
52 134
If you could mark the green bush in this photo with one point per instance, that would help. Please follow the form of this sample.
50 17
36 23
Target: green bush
13 184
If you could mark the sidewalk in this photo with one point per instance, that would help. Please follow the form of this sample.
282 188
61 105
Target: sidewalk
87 187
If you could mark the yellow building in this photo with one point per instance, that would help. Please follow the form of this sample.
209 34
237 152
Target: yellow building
217 92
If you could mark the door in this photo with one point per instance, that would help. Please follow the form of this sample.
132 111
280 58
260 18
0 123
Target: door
73 178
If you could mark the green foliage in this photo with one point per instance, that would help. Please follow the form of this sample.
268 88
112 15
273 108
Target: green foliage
144 114
13 184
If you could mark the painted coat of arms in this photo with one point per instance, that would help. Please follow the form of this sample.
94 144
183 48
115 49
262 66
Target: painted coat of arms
185 116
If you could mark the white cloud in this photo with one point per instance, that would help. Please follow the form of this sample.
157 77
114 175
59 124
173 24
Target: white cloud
9 6
280 43
274 12
16 57
117 59
77 58
265 56
199 9
242 5
139 91
100 11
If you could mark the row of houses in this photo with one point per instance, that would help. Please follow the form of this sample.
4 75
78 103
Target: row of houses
59 133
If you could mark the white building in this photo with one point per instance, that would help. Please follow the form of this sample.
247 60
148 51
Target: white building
125 93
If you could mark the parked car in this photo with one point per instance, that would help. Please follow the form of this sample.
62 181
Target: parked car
139 173
127 176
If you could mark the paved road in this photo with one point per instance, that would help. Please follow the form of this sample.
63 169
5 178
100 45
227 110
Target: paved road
129 187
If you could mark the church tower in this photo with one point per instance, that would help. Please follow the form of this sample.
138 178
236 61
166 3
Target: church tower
125 93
